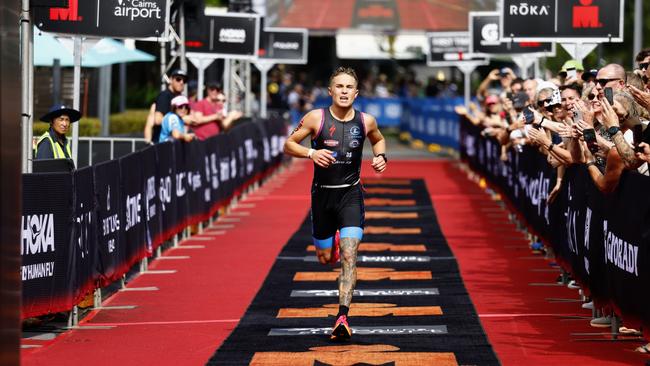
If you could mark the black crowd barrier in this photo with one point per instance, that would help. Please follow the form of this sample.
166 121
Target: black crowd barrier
87 228
603 240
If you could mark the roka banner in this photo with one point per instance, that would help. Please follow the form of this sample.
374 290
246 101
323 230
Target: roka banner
107 18
562 21
87 228
603 240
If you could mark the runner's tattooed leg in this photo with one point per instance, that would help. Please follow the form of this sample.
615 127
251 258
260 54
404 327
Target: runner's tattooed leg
348 277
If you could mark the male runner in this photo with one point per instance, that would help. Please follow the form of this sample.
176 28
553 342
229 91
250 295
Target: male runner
337 137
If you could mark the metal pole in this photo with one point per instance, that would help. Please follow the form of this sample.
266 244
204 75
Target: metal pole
122 87
163 64
26 47
76 87
181 24
467 74
56 81
249 93
226 83
263 83
638 28
199 87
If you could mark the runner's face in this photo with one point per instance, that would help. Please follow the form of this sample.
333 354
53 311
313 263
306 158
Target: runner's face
343 90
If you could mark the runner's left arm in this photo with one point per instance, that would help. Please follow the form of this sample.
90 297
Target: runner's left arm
378 143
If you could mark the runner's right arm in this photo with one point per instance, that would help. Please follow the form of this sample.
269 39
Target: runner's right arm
308 126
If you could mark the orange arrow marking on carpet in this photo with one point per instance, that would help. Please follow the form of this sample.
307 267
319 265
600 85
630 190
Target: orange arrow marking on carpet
382 247
388 202
366 274
353 354
360 309
391 230
390 215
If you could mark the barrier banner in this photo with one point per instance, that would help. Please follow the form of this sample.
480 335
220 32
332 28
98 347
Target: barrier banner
432 120
167 188
88 228
110 250
626 245
195 181
84 238
151 199
602 239
132 215
181 186
45 246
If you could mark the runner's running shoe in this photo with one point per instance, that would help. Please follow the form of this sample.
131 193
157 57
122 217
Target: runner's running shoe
336 248
341 329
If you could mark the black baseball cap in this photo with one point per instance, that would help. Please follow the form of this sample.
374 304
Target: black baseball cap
590 73
180 73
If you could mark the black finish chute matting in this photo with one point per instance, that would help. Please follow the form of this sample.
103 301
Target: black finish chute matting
401 334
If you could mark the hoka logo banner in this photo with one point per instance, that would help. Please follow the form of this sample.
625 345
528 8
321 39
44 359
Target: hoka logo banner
70 14
37 234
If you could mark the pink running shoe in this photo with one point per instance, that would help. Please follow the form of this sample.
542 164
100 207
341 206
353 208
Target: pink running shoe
341 329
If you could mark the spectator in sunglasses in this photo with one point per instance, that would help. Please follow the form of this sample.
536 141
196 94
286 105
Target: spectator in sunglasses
176 86
642 60
610 76
173 126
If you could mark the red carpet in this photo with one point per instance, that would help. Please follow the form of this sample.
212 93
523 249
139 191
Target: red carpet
195 308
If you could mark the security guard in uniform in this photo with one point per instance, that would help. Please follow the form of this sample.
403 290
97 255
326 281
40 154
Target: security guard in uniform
53 144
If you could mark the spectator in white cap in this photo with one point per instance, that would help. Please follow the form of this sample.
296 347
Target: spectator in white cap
173 127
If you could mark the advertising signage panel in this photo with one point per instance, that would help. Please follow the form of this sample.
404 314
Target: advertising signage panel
484 31
228 35
107 18
562 20
284 45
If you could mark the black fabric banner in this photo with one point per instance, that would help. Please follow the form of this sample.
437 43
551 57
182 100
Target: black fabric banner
84 238
132 214
46 243
603 240
88 228
108 193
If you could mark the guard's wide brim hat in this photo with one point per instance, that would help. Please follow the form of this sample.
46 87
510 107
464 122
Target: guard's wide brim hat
60 110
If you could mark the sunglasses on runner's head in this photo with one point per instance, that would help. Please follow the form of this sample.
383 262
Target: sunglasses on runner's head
643 65
604 82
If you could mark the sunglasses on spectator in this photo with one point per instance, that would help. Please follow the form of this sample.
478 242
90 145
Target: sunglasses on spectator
643 65
221 100
179 79
540 103
186 106
604 82
591 96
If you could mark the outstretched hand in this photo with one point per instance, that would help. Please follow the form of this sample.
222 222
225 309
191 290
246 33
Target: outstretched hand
378 164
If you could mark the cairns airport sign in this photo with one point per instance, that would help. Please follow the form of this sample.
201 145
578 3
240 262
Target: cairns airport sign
107 18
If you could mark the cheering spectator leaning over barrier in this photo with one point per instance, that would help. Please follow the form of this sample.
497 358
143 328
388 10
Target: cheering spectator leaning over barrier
53 144
210 117
620 117
173 126
337 137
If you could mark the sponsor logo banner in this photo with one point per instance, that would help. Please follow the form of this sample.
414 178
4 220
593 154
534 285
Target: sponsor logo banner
362 293
395 330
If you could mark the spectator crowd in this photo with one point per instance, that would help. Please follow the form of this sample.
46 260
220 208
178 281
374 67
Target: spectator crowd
596 117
